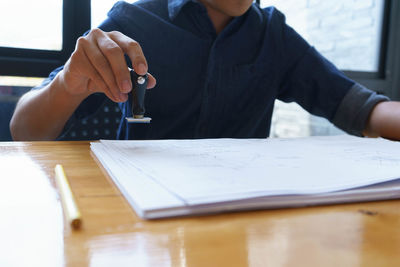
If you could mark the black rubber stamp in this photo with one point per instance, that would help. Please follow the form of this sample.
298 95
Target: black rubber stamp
139 87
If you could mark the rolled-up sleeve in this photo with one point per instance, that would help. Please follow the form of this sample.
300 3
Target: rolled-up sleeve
355 108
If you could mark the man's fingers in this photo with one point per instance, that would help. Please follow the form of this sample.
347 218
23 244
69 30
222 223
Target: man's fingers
133 50
115 57
135 53
151 82
96 82
100 62
83 66
92 87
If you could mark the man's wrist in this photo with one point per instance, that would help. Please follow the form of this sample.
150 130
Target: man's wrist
384 121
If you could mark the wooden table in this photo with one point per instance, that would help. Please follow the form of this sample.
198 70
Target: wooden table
33 232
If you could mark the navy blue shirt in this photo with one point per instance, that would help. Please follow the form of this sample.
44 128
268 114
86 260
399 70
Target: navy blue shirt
213 85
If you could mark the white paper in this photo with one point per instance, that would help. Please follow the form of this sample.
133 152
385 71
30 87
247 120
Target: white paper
173 173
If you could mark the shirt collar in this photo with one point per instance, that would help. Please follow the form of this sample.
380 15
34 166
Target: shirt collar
175 6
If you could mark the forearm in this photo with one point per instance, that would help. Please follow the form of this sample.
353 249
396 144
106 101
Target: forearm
42 114
384 121
97 65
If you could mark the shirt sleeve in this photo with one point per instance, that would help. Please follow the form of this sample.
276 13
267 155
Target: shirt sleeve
354 110
320 88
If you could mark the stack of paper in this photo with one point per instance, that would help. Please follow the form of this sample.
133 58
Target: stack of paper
180 177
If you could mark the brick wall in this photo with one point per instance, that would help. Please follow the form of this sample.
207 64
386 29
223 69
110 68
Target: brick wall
347 32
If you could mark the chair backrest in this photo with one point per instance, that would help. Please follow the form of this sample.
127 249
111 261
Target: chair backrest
102 125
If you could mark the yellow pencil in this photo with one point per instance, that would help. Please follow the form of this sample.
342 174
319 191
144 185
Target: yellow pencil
71 211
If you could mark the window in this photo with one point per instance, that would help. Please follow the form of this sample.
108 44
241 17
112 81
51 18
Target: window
347 32
38 36
99 10
22 28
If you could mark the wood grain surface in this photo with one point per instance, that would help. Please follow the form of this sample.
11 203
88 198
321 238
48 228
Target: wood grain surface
33 231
